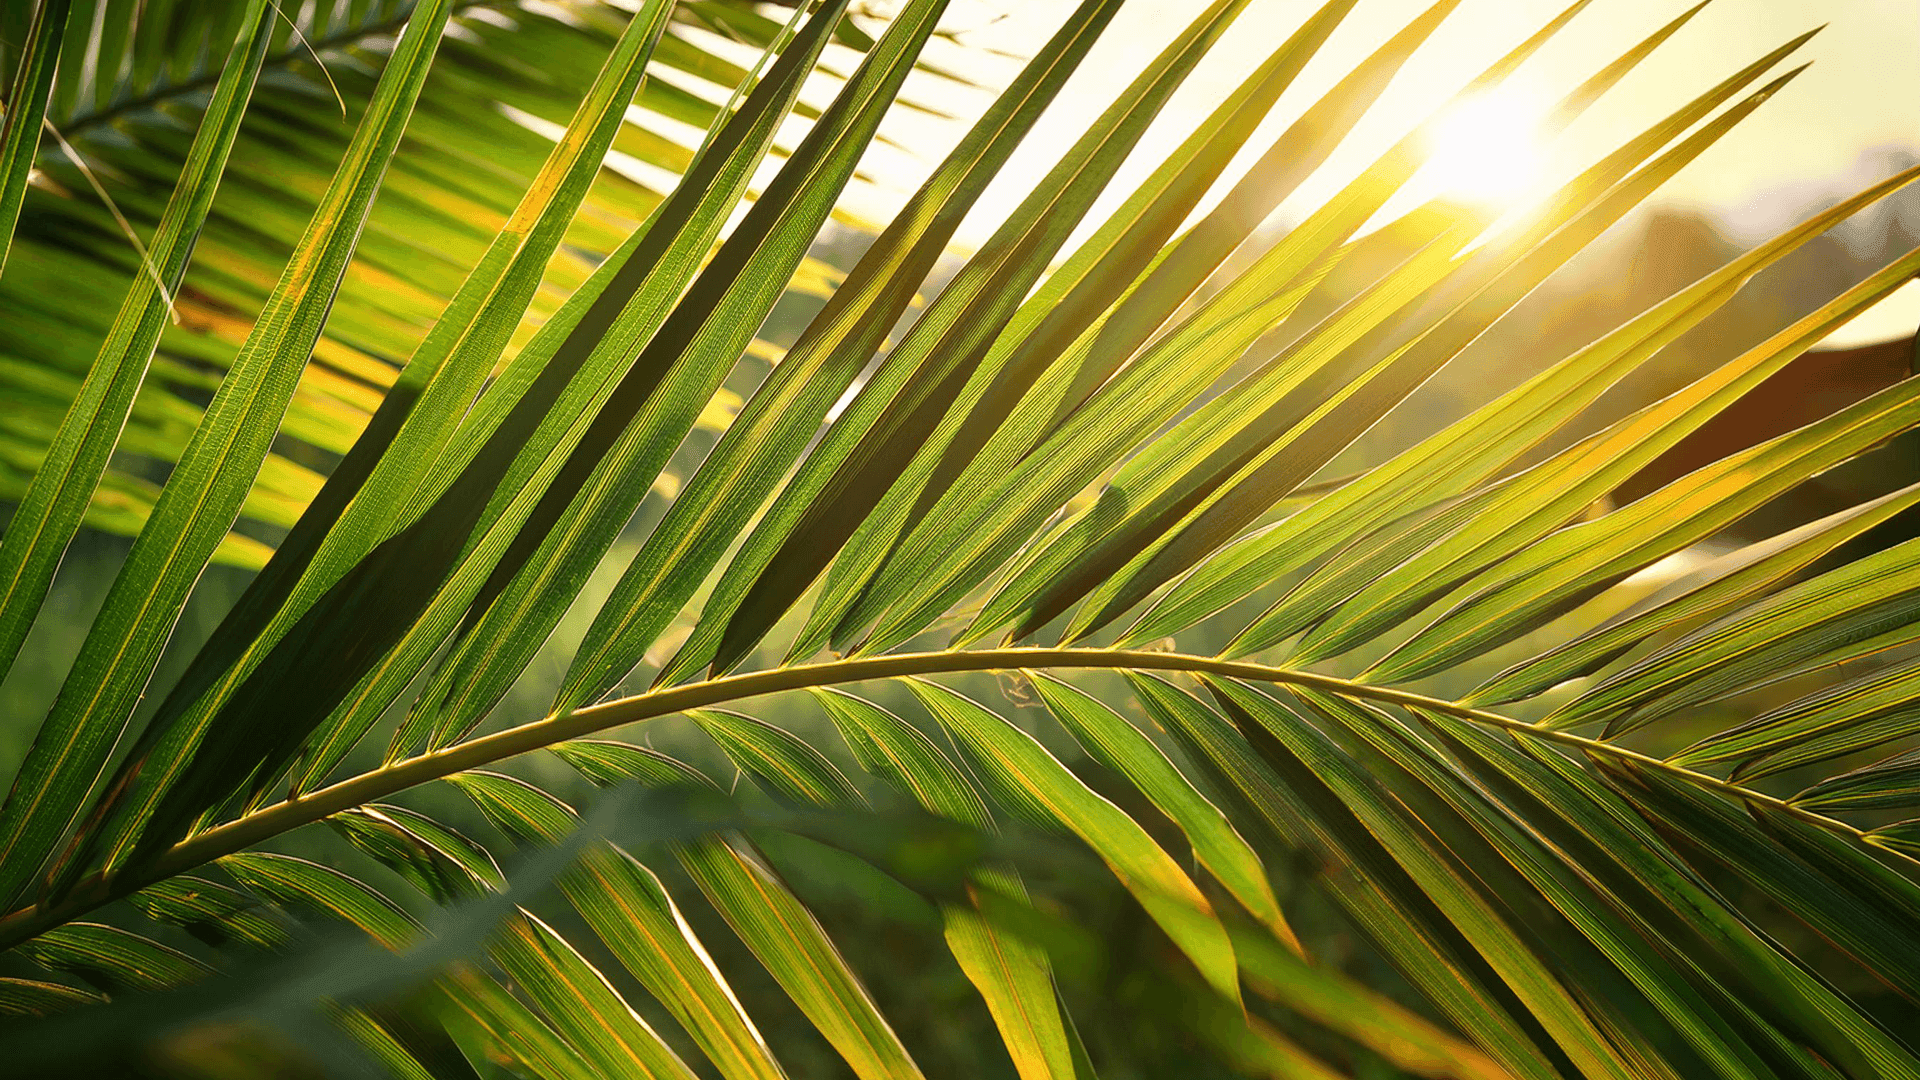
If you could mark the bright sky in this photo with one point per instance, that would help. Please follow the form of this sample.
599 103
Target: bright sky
1862 93
1814 139
1863 90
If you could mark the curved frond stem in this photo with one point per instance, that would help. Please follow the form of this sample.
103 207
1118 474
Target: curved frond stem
271 821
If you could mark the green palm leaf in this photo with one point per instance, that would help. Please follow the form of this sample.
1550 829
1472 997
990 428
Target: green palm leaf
437 381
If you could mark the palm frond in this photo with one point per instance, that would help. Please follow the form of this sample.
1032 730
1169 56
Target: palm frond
136 91
1455 798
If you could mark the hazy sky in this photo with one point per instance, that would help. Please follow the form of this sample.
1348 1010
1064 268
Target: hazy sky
1863 90
1861 93
1814 140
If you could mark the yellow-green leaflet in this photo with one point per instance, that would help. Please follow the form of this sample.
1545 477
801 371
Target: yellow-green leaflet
1167 893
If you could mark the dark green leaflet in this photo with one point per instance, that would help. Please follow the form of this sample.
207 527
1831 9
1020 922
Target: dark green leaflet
782 554
401 574
27 108
780 416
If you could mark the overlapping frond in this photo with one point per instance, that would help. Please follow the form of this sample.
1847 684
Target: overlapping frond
1429 784
138 80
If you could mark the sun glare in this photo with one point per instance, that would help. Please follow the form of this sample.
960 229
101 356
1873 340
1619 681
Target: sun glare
1487 150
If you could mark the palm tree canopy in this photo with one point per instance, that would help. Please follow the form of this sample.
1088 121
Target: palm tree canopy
1019 667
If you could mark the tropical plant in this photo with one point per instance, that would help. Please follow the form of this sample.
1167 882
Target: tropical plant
507 80
1421 814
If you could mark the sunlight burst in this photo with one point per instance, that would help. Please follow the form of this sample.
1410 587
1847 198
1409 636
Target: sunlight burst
1487 150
